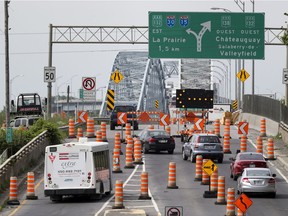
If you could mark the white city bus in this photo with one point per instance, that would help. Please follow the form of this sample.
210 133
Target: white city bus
76 169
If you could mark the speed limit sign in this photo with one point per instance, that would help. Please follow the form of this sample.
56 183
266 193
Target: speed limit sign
285 76
49 74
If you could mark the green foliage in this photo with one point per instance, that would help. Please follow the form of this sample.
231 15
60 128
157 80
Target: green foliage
285 38
21 137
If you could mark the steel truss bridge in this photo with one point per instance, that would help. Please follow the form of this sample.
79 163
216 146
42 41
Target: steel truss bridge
144 81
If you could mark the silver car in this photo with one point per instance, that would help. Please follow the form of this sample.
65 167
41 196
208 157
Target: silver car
257 180
207 145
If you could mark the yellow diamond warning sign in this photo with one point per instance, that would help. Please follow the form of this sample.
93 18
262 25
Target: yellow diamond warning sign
209 167
116 76
243 75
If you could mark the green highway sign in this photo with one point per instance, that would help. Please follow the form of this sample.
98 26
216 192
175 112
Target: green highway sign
206 35
9 135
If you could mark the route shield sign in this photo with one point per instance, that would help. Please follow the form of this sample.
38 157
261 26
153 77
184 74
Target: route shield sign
206 35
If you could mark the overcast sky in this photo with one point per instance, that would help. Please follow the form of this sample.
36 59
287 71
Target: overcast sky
29 22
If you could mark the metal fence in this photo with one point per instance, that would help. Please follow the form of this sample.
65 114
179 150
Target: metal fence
267 107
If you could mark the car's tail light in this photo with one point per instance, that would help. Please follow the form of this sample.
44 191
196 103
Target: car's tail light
152 140
245 180
49 178
271 181
89 177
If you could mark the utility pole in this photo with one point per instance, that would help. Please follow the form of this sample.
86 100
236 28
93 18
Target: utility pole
7 77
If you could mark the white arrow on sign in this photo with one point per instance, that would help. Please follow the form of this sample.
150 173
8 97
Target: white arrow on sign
163 120
120 118
81 117
197 124
241 128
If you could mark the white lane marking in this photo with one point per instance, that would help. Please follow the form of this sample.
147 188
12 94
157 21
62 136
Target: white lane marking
109 200
149 192
282 175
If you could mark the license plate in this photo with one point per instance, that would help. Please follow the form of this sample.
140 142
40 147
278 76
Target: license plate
252 165
162 141
209 147
257 182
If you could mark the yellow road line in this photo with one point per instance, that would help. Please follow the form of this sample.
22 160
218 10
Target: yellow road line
25 201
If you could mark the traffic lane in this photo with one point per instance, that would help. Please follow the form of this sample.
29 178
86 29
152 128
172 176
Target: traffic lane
189 195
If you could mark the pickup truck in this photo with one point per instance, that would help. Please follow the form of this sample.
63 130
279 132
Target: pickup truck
123 108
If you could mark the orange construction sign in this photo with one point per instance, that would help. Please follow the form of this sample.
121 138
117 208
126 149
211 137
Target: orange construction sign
82 116
199 124
243 202
190 117
243 128
144 117
164 119
121 118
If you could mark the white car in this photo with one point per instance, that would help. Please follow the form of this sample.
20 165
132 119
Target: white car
257 180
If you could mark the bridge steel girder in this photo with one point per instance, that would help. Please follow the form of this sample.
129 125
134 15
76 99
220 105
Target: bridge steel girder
143 82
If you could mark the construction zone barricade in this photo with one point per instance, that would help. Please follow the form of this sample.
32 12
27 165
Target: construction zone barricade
13 192
243 143
118 204
117 142
221 191
217 127
31 187
144 186
226 144
172 176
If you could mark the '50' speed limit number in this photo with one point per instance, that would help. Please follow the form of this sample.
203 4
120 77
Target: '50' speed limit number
49 74
285 76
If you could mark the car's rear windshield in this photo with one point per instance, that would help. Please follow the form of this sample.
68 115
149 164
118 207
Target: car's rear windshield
124 109
251 157
209 139
259 172
157 133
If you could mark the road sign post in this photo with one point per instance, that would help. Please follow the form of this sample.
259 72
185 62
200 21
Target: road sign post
206 35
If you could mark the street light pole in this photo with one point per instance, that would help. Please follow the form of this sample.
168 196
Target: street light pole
226 79
10 83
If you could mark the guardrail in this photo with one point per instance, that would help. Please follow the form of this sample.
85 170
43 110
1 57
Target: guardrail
20 161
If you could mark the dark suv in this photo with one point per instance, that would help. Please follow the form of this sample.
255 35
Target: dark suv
123 108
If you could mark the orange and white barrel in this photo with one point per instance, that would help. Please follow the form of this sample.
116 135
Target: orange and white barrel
214 181
263 127
243 143
127 131
116 161
259 146
205 176
221 191
144 186
172 176
79 133
129 156
137 152
90 131
118 204
270 149
13 192
230 207
71 127
117 141
99 136
217 127
31 186
239 212
198 170
103 130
